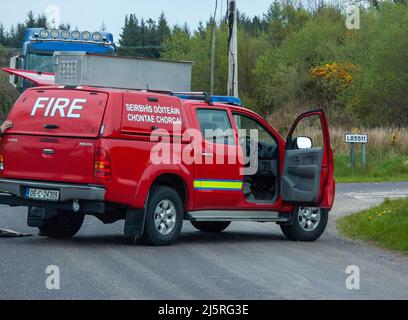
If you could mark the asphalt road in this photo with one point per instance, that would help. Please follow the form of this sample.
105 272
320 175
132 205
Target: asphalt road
248 261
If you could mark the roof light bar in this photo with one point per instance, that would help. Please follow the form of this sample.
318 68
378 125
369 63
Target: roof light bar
203 96
86 35
55 33
44 34
65 34
75 35
97 36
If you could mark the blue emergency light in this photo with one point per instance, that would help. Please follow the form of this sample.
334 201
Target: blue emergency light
215 99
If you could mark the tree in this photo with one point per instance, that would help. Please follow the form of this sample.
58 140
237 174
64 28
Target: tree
382 95
274 21
3 35
17 35
200 30
128 37
163 29
30 21
65 27
14 38
103 27
7 93
141 38
41 21
283 71
177 46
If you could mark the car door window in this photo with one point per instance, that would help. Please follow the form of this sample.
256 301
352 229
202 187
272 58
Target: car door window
261 160
307 149
310 127
215 126
245 124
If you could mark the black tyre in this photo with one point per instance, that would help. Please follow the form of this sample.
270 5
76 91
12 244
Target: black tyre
214 227
308 225
164 217
65 225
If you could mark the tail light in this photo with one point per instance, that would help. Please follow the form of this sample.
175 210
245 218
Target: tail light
102 167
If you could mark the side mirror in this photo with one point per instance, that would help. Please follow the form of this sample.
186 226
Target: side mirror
15 63
304 143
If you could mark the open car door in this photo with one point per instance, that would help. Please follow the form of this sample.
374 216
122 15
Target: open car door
307 178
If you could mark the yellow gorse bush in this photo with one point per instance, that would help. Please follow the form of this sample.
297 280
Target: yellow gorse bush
394 138
341 72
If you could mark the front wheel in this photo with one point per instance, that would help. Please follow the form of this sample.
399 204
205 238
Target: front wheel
308 224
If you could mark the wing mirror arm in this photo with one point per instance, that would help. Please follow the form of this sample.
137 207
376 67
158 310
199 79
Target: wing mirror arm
289 143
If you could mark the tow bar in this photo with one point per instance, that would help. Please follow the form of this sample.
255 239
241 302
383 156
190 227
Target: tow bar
5 233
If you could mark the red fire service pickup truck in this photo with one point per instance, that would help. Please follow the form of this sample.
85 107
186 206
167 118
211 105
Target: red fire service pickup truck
157 159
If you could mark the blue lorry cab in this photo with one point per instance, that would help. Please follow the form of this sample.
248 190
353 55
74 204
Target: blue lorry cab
40 44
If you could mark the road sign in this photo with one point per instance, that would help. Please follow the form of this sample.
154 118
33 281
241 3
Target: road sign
356 138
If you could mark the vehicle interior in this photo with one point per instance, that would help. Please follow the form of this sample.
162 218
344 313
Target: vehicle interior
259 145
43 62
261 160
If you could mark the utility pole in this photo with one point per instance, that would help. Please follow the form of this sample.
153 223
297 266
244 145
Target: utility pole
233 48
214 30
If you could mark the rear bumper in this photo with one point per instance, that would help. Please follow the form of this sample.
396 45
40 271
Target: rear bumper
67 191
90 198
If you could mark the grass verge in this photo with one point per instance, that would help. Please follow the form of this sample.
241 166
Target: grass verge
388 167
385 225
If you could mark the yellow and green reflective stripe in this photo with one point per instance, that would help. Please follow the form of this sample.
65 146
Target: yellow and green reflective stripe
227 185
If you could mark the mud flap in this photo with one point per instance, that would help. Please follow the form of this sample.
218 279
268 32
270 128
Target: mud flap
134 224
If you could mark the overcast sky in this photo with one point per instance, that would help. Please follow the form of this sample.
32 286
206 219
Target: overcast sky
89 14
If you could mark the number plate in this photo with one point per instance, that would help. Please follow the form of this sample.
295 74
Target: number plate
42 194
356 138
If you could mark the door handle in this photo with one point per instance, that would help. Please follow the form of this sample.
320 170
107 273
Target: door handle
51 126
48 151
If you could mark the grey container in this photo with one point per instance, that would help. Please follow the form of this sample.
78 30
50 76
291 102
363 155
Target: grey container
84 69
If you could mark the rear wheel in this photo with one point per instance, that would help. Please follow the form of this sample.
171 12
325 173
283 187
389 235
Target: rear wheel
211 226
64 225
308 224
164 217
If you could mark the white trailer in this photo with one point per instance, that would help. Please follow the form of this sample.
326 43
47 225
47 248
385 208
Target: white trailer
81 68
